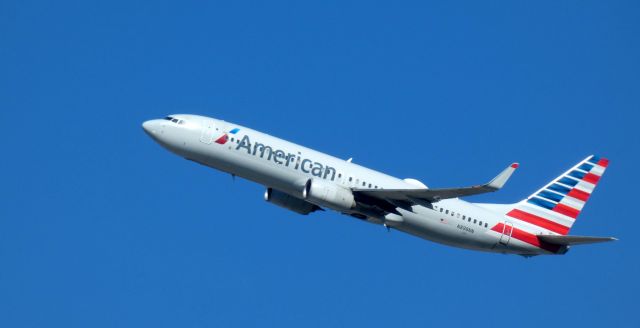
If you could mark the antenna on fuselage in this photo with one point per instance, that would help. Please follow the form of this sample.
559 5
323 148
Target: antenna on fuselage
350 159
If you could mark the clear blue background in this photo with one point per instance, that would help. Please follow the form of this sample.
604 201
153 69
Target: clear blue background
101 227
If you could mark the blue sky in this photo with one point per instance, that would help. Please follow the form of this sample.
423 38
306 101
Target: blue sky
100 227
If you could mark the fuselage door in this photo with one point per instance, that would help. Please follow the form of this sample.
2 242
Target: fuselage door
207 132
507 230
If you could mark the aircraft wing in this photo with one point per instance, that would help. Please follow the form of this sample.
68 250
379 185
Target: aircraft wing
420 196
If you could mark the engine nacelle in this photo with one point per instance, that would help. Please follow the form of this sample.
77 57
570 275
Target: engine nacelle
327 194
289 202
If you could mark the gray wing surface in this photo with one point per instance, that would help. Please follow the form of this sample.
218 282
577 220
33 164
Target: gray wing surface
422 196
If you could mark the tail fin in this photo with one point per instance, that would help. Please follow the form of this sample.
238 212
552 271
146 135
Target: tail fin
556 206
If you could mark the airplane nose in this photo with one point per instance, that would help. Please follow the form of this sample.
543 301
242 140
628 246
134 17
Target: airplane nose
150 127
153 128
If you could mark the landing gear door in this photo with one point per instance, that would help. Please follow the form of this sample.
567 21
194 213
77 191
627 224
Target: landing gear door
507 230
207 132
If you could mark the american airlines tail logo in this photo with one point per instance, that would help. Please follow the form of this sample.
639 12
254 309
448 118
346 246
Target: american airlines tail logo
225 137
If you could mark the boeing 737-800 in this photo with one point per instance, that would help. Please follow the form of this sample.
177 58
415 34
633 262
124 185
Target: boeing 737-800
304 181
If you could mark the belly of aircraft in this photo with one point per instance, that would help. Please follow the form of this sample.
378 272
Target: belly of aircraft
423 224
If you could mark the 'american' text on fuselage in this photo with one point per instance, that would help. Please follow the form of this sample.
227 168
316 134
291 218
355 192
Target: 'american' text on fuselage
287 159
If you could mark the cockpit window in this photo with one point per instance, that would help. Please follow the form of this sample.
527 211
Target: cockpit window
174 120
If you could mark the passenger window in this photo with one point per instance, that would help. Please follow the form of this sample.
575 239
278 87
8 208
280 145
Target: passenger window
463 218
485 225
174 120
339 175
469 219
369 185
480 222
350 179
446 212
440 209
474 220
453 214
364 183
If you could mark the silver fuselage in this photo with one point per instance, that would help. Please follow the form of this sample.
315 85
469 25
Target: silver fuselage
286 166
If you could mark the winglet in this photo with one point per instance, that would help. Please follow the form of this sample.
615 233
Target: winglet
502 178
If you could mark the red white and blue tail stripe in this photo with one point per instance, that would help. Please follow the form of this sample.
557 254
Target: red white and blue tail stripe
556 206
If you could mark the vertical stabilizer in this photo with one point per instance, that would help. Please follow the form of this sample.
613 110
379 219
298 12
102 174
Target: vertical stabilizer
556 206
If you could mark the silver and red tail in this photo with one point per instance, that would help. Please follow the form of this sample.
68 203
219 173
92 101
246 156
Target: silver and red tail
557 205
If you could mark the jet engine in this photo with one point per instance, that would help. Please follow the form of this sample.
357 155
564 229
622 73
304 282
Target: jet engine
327 194
289 202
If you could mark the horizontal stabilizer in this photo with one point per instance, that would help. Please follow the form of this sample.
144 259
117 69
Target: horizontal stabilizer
573 240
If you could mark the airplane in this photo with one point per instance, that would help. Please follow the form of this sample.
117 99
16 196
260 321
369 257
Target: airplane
303 180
